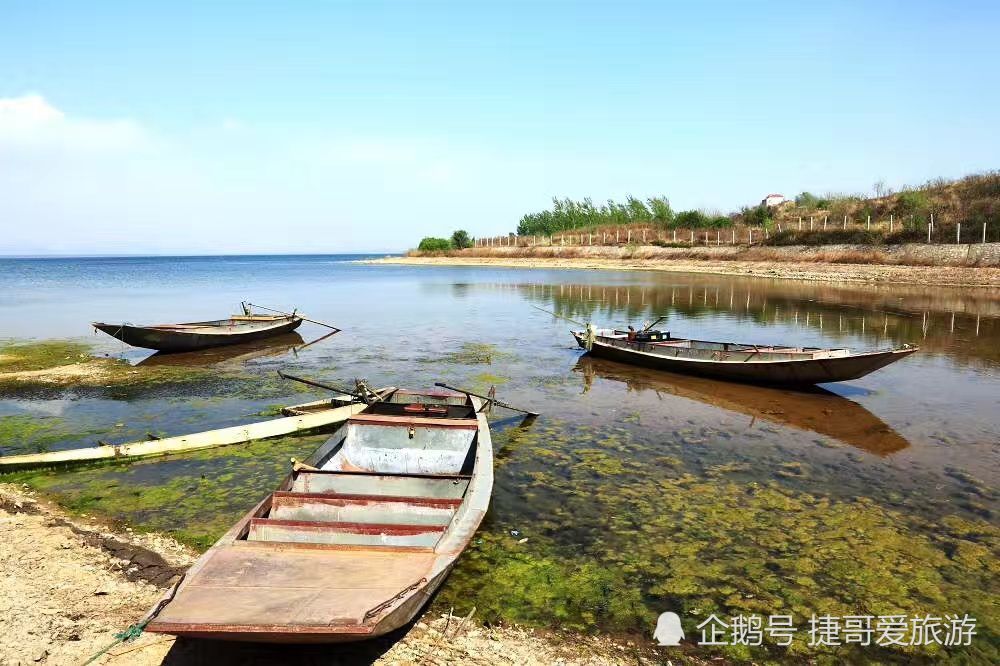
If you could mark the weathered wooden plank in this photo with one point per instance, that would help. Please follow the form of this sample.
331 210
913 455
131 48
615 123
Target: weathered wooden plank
183 443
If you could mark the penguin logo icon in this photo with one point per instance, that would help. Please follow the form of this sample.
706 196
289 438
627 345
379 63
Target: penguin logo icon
668 629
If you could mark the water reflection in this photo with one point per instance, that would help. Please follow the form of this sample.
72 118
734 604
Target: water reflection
232 354
963 325
814 410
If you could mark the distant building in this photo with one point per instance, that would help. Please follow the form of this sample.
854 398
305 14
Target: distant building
773 200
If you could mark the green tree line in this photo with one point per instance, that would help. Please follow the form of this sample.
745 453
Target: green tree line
567 214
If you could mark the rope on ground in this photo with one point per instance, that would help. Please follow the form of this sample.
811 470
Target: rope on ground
135 630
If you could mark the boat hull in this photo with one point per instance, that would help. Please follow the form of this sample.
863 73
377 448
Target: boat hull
167 339
349 547
403 615
804 372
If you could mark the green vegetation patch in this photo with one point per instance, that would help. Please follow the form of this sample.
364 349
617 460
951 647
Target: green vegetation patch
195 497
587 537
24 433
26 356
698 547
475 353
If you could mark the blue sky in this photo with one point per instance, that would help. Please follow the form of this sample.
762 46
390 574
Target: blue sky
343 127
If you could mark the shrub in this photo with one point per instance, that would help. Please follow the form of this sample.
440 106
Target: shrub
460 239
757 216
807 200
913 201
690 219
431 244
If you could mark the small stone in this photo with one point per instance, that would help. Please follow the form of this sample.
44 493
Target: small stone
42 655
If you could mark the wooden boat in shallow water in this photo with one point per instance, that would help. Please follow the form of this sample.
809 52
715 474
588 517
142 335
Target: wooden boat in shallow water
356 539
202 334
756 364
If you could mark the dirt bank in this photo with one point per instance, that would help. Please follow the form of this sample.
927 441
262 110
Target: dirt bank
67 585
788 263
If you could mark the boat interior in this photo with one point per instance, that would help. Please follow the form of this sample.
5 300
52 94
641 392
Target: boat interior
393 475
242 321
663 344
360 523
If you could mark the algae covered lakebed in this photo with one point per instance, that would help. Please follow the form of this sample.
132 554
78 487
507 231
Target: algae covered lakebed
635 493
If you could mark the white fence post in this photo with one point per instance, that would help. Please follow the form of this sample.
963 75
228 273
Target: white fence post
845 223
958 234
984 232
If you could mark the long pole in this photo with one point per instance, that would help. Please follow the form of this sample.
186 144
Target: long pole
290 314
498 403
574 321
312 382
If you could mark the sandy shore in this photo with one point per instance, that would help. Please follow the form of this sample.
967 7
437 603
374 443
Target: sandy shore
958 276
68 585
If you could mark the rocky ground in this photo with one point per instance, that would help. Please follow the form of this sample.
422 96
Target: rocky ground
69 584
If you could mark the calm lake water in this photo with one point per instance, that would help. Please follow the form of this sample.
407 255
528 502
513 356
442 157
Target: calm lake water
638 492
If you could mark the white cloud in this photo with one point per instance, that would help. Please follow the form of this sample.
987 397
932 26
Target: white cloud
30 121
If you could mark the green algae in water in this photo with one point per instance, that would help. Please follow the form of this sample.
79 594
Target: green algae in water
612 543
26 356
474 353
195 497
28 433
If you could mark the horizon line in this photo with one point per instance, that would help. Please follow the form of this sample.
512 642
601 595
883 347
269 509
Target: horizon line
172 255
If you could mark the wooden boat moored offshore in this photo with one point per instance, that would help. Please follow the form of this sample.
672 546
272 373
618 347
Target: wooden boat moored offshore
297 418
202 334
756 364
354 541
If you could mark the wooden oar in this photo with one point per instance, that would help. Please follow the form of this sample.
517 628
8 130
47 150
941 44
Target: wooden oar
578 323
498 403
312 382
658 320
295 314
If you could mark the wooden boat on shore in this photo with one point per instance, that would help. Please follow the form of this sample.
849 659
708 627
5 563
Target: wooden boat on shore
202 334
353 542
297 418
755 364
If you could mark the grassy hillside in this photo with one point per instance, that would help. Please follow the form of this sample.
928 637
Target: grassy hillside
888 217
971 201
